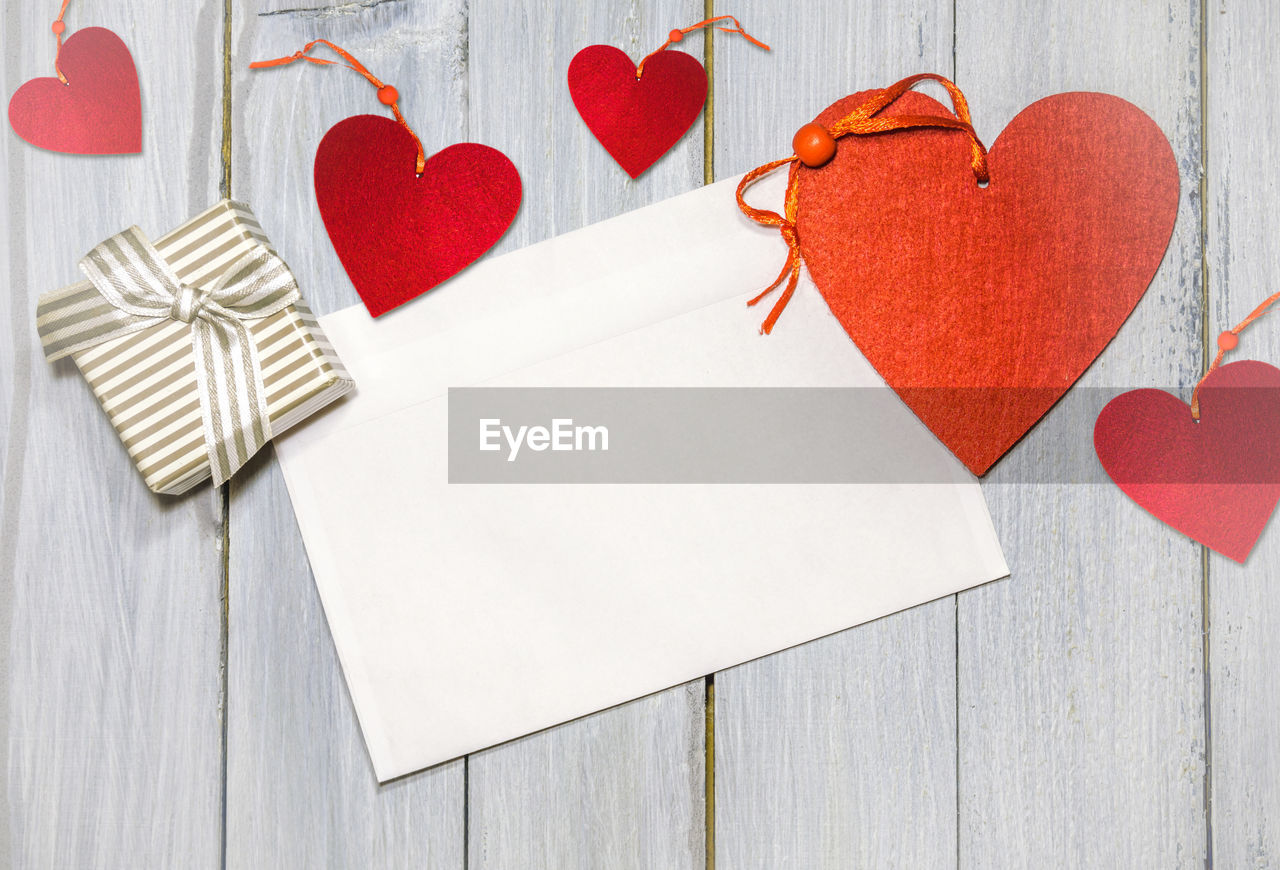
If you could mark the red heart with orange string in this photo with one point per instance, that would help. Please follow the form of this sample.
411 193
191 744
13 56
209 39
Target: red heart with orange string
981 305
402 223
399 234
637 119
639 111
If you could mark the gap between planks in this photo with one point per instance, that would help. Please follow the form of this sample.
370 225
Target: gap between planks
955 599
709 685
224 644
1205 316
708 177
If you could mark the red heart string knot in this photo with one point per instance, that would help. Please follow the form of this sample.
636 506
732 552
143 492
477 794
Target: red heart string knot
60 27
678 34
1228 341
814 143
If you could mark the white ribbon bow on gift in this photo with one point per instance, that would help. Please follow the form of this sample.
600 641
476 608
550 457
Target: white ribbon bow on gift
141 290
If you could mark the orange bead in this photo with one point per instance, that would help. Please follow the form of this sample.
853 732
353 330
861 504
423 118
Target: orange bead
814 145
675 36
388 95
1228 341
59 27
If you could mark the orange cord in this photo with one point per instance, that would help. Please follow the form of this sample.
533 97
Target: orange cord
1231 345
862 121
786 226
676 35
60 27
386 94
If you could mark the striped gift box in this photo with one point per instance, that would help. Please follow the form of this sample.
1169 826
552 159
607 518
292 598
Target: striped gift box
146 381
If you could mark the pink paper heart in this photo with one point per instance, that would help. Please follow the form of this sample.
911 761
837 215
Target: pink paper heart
98 111
1217 480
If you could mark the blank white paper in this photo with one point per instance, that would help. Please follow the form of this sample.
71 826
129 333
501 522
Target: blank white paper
469 615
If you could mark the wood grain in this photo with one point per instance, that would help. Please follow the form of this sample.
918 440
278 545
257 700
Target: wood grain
821 51
1243 122
619 789
1057 718
518 101
431 56
1081 728
839 753
113 633
300 787
623 788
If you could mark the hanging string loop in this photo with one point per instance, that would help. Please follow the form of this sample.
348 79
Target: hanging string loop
60 27
387 95
677 35
1227 342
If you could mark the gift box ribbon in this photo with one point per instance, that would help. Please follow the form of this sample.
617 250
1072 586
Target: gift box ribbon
132 288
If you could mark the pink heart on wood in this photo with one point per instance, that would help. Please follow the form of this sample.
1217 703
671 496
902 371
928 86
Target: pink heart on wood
1217 480
98 111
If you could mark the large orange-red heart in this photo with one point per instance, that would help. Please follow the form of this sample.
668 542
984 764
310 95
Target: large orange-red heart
398 234
980 305
1217 480
98 111
636 120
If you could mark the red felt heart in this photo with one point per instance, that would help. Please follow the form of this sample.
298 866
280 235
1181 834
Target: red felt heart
981 306
397 234
636 120
1216 481
98 111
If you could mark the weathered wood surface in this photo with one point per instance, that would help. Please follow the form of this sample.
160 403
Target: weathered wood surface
624 788
1057 718
300 787
1243 127
1081 692
112 620
840 753
1079 733
452 64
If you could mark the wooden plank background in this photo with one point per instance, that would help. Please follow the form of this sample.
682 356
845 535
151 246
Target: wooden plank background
113 633
1242 127
1087 665
173 694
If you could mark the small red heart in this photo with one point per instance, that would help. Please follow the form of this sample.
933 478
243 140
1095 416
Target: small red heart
1216 481
397 234
982 306
636 120
98 111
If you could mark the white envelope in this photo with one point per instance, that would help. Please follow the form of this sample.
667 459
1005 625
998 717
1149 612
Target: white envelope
467 615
